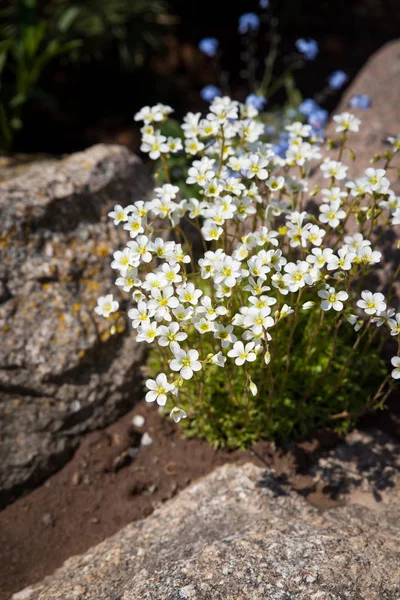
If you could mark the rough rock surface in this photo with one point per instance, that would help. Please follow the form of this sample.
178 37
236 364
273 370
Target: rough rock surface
61 372
236 534
362 470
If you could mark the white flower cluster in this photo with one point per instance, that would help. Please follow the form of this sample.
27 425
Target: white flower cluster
264 252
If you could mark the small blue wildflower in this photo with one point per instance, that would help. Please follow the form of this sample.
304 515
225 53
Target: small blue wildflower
209 92
248 22
337 80
209 46
308 106
256 100
291 113
361 101
280 149
309 48
264 3
318 118
317 133
269 129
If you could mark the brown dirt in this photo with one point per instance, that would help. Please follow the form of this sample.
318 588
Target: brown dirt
112 481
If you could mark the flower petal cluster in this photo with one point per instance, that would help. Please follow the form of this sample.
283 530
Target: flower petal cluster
248 252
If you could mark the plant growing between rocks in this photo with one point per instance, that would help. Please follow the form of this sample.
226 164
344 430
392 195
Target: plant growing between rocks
258 305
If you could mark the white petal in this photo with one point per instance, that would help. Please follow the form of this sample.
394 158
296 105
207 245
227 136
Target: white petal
186 373
151 396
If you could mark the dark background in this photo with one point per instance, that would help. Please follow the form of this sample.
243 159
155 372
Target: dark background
94 100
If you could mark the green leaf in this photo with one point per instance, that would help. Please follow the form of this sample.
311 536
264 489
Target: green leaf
67 18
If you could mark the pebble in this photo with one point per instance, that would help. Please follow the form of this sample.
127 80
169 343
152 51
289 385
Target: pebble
138 421
146 439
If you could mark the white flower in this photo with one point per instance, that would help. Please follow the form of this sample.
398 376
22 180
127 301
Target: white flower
347 122
159 389
368 256
188 293
394 325
123 261
174 144
152 114
170 333
334 169
355 321
275 183
295 276
210 312
162 301
139 250
255 167
184 362
211 231
331 214
285 311
140 315
218 359
332 299
134 225
204 325
396 363
224 333
253 387
376 179
372 303
383 317
242 353
258 319
343 260
319 257
193 146
155 145
147 333
119 214
395 141
182 313
128 280
308 305
177 414
106 305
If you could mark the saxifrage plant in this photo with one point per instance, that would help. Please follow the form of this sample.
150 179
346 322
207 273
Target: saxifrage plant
255 289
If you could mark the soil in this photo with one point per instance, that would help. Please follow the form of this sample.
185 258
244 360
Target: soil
113 480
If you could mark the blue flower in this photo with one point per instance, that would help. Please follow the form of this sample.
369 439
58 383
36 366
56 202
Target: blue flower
318 118
337 80
263 3
256 100
280 148
209 92
209 46
360 101
248 22
308 106
307 47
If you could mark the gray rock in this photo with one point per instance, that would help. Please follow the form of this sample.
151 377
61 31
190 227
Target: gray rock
236 534
61 371
361 470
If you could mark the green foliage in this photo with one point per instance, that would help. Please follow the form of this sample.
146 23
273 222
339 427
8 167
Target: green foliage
26 47
131 26
318 382
33 34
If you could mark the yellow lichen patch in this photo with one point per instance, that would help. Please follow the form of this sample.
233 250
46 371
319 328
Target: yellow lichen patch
76 307
103 251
